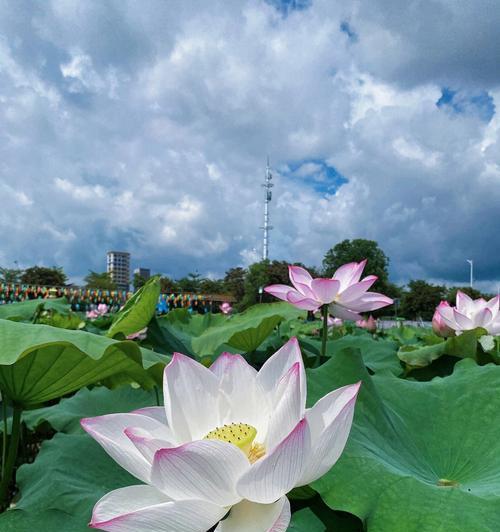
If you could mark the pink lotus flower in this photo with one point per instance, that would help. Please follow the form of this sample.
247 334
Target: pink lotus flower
229 439
139 335
469 314
344 292
226 308
438 324
370 324
101 310
334 322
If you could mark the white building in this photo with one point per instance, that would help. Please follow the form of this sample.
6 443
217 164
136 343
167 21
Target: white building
119 268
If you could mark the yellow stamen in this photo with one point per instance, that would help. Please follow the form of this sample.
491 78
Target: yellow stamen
241 435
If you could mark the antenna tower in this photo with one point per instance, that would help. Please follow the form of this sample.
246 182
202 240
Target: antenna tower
267 199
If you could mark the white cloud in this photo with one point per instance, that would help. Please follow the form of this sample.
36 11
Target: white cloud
157 121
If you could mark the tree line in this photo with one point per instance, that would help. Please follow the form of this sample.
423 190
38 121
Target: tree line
417 299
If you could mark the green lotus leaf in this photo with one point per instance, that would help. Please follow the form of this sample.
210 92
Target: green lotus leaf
25 310
421 456
138 310
70 474
462 346
236 331
39 363
249 339
49 521
65 416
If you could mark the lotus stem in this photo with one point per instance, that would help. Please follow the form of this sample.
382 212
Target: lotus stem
11 456
324 335
5 430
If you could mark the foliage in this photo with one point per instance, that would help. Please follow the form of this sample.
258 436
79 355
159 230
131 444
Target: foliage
260 275
424 442
357 250
451 294
10 275
421 299
39 363
102 281
26 310
234 282
168 285
422 454
138 281
138 310
43 276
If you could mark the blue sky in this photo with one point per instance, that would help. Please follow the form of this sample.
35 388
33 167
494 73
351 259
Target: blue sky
145 126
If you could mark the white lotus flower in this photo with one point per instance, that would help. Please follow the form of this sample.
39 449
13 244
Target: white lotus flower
471 313
230 443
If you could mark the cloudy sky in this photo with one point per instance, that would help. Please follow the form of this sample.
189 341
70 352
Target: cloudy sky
145 125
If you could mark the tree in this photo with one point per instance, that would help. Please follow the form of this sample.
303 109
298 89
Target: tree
168 285
211 286
451 295
100 281
357 250
40 275
191 283
138 281
234 282
260 275
10 276
421 299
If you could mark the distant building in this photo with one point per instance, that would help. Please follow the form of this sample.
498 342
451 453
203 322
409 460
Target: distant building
145 273
119 268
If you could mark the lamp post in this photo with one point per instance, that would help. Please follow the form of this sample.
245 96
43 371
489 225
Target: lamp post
471 262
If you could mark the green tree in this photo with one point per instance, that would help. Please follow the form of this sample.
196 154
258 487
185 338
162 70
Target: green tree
168 285
138 281
211 286
451 295
260 275
357 250
191 283
234 282
40 275
101 281
421 299
10 275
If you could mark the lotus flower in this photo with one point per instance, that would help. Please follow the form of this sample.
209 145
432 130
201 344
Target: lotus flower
331 321
139 335
229 439
438 324
469 314
226 308
370 324
334 322
344 292
98 312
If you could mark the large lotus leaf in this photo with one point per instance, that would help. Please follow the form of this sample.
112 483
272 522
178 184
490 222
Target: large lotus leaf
39 363
66 415
421 456
70 474
462 346
193 324
253 318
48 521
249 339
138 310
378 354
164 337
25 310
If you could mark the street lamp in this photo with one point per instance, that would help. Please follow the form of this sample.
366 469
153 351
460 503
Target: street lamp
471 262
